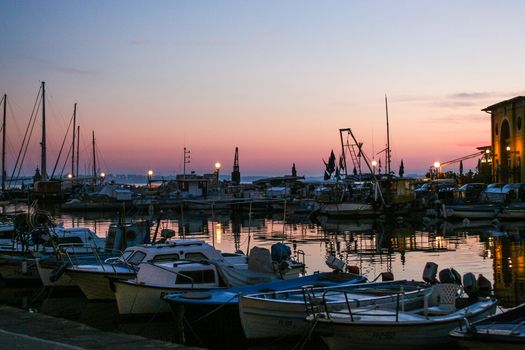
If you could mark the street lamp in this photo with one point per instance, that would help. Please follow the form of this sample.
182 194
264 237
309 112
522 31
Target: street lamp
70 176
102 176
374 164
217 170
437 167
150 174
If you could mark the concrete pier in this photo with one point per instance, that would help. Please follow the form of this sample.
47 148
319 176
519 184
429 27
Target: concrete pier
20 329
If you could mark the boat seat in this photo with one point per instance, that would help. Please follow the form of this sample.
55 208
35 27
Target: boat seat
442 300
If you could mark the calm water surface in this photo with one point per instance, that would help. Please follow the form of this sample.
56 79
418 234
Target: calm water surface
492 249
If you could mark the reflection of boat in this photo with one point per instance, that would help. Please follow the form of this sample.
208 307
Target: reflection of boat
281 314
502 331
401 328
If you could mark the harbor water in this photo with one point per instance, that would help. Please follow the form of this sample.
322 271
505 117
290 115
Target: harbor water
492 249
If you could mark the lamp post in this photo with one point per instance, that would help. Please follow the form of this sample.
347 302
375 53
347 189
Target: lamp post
217 171
374 164
150 174
437 168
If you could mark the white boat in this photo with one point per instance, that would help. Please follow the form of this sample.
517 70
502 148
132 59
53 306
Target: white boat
348 209
93 278
282 314
142 295
30 260
504 331
419 328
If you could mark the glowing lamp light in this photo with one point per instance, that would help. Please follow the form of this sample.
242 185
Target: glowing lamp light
374 163
508 148
437 165
102 174
150 173
487 151
69 176
217 165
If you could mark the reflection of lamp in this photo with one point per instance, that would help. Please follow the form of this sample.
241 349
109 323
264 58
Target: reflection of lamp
218 232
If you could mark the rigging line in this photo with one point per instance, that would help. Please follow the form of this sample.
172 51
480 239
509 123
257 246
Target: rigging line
33 114
26 147
65 161
62 146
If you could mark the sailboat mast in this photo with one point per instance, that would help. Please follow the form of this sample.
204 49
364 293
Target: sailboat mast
78 147
43 160
3 143
73 143
94 161
387 137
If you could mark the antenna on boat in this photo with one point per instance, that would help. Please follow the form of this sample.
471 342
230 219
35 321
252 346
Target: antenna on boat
387 138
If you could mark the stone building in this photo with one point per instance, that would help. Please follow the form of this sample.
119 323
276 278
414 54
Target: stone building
508 140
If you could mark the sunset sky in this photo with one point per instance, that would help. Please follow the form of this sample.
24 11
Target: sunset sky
275 78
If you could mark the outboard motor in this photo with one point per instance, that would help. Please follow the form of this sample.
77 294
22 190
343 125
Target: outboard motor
484 286
429 273
457 276
470 285
334 263
280 252
387 276
446 276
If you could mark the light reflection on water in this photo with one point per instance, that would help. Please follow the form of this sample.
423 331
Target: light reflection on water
372 246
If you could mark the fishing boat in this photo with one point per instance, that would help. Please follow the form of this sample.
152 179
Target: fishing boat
206 311
471 211
93 279
142 295
276 314
89 250
403 327
505 331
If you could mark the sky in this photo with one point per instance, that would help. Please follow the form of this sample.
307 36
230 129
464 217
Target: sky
277 79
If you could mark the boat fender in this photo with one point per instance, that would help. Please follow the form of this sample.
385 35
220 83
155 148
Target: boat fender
387 276
484 286
58 272
457 276
429 273
470 284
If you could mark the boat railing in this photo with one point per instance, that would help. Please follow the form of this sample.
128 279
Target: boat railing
301 256
72 257
318 306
